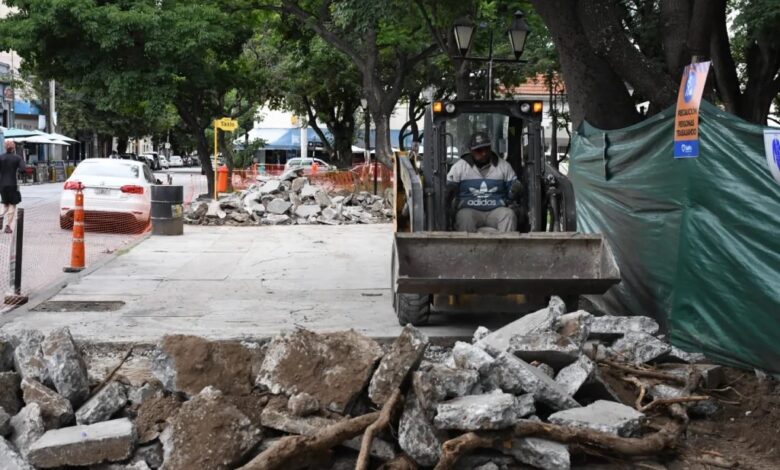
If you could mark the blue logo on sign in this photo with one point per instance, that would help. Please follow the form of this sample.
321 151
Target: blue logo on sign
690 85
776 152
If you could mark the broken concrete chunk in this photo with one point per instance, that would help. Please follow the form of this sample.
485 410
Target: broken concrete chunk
573 376
712 376
417 436
405 355
103 405
6 354
253 207
677 354
490 411
547 347
10 393
468 356
214 211
278 206
438 382
303 404
287 367
603 416
188 364
270 186
11 460
5 423
136 396
479 333
307 210
322 199
540 453
197 436
55 409
546 369
28 358
109 441
639 348
308 190
65 367
276 219
542 320
298 184
575 326
703 408
152 417
152 454
611 327
513 375
27 427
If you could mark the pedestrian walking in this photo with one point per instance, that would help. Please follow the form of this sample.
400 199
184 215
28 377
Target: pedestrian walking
10 165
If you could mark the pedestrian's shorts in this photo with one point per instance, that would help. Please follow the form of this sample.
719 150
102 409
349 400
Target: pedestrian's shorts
10 195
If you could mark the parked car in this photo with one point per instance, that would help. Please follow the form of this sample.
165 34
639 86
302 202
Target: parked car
164 165
306 164
176 161
149 160
195 160
187 161
117 194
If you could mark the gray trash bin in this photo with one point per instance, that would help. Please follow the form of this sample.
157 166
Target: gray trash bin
167 210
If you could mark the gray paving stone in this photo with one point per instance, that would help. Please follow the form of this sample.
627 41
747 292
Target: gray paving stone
417 436
604 416
573 376
27 427
28 357
109 441
278 206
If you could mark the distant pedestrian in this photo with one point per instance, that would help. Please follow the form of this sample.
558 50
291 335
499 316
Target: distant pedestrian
10 165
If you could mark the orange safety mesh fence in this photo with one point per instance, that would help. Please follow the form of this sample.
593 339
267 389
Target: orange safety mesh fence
47 238
364 177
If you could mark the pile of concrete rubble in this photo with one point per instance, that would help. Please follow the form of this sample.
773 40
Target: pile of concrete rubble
535 392
291 201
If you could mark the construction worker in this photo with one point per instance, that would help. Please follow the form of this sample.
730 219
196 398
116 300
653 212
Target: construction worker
10 165
481 182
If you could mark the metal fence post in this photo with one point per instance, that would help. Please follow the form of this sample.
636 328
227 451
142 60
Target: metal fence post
16 260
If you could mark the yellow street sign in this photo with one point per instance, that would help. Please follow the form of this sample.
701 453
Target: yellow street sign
226 124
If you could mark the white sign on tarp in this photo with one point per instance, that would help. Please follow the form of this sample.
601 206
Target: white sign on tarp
772 149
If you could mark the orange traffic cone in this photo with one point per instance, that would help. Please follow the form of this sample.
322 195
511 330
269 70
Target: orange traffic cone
77 250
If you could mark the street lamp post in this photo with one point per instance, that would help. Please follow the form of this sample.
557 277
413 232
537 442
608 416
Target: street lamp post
463 31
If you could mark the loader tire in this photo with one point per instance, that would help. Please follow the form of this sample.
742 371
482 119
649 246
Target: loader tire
412 308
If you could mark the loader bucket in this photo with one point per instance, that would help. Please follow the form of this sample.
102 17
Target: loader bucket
545 263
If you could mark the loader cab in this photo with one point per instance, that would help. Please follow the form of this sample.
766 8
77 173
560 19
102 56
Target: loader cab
515 131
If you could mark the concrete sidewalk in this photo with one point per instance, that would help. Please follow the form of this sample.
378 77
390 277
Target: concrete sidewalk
239 282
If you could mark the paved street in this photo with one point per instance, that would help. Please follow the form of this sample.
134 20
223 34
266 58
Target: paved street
247 282
47 247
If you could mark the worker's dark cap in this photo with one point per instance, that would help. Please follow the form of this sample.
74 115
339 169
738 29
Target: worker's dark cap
479 140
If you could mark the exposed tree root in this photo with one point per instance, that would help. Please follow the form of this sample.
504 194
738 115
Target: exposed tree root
385 416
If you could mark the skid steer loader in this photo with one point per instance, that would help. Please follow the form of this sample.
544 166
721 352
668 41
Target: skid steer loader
434 268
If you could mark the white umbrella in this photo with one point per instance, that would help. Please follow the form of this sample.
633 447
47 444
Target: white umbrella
60 142
38 139
61 137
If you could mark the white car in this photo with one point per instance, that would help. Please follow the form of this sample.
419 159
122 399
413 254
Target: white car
176 161
117 195
306 164
164 162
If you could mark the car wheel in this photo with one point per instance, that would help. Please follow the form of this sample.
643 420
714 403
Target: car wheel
66 223
413 308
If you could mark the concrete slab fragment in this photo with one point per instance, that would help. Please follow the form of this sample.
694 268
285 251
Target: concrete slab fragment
513 375
405 355
467 356
611 327
489 411
437 382
547 347
540 453
103 405
286 367
28 357
417 436
573 376
542 320
603 416
27 427
109 441
65 366
639 348
10 457
56 410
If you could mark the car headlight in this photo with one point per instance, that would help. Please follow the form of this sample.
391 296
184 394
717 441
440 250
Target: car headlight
450 108
525 107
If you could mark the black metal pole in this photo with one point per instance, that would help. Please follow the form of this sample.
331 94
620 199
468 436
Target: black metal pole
19 247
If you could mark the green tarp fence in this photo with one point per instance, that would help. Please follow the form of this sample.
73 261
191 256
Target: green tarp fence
697 240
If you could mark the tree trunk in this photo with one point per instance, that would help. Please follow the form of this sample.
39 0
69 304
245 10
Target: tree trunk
596 93
342 141
675 17
121 144
383 149
205 159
